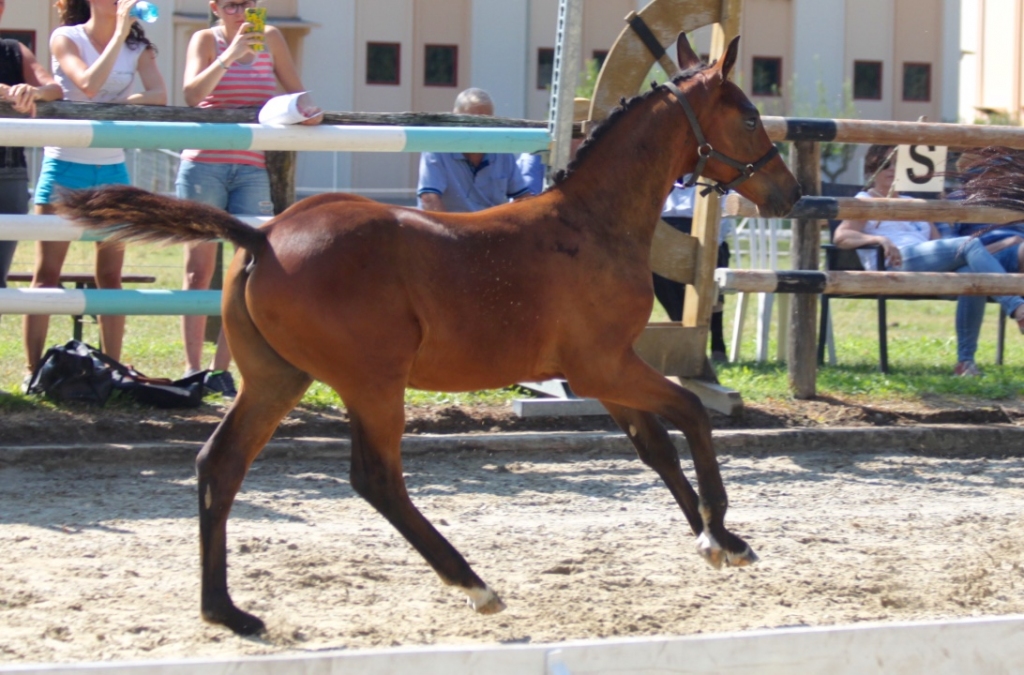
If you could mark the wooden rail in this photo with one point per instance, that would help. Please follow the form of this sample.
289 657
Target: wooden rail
852 208
892 133
868 283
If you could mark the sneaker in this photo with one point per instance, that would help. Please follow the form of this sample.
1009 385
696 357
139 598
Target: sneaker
967 369
25 383
221 382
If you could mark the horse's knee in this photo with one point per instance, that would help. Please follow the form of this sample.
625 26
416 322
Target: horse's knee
366 484
376 485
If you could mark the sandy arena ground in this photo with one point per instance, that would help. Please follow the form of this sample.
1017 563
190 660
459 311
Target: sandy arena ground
101 562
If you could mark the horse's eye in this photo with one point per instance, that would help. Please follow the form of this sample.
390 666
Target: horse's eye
751 123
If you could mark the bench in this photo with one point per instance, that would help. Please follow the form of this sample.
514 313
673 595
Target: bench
837 259
82 280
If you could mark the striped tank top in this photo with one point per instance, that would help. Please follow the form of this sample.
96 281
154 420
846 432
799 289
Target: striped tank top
243 84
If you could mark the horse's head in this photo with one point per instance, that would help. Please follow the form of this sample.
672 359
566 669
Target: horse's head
734 148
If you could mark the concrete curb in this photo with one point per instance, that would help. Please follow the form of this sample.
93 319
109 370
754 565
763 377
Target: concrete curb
945 440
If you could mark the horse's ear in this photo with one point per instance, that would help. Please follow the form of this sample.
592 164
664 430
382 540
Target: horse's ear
729 60
685 56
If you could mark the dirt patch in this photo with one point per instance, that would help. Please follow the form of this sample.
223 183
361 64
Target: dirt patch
98 562
125 424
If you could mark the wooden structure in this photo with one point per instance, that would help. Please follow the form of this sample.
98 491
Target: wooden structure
676 349
807 133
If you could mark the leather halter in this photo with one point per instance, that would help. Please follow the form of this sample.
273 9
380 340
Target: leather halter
705 152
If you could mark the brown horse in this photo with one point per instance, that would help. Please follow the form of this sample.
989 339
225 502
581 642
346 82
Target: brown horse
371 298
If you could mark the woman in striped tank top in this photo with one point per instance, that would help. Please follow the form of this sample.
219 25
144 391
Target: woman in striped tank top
223 70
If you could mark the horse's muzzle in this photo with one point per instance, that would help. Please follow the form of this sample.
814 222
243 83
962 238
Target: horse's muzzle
778 205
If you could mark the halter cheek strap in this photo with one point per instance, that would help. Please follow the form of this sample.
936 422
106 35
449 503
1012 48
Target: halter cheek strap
705 152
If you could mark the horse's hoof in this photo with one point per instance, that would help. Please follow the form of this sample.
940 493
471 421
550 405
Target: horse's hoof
484 600
746 557
240 623
709 549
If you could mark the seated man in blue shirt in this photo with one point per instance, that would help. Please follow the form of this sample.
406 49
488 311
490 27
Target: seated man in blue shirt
466 182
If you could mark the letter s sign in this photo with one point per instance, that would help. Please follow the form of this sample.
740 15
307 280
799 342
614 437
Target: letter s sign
919 168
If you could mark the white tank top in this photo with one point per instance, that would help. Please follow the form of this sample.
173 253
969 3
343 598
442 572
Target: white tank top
116 89
901 233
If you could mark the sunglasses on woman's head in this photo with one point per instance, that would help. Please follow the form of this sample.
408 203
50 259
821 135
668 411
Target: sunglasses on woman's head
236 7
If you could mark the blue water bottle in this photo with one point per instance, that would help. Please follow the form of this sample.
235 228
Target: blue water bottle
145 11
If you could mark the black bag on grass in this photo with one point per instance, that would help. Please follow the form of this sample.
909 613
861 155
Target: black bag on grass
160 391
73 373
78 373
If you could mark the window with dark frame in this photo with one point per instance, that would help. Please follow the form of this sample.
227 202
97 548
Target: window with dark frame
25 37
383 62
441 66
867 80
545 67
917 82
767 76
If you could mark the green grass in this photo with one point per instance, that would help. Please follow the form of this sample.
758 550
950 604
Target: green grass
922 348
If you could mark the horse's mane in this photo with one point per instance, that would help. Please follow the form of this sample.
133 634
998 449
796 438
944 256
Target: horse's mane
624 106
993 176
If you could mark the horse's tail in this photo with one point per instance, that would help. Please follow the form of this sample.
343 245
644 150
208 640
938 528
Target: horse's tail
127 213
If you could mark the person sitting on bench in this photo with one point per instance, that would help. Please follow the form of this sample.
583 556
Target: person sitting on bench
917 247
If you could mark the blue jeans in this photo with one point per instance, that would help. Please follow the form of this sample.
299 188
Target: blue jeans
239 189
970 309
13 199
964 254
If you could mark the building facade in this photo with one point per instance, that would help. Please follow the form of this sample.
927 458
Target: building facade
875 59
991 72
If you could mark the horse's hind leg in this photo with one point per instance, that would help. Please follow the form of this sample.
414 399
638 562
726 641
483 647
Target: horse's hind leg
270 388
631 386
656 449
221 467
377 425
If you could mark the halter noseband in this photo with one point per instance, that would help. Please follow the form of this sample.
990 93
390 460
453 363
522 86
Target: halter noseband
706 152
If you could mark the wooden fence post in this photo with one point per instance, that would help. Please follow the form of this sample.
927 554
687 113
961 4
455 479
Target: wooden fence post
805 158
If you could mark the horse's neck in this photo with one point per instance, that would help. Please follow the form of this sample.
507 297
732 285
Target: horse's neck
622 183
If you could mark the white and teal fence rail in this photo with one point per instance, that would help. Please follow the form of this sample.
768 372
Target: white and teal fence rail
55 228
55 301
181 135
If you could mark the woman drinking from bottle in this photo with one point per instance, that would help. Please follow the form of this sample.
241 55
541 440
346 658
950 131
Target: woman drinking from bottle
97 53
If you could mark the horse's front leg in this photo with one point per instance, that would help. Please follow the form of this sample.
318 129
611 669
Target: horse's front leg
633 393
376 472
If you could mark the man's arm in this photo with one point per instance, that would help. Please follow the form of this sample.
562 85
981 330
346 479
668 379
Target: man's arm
433 181
431 201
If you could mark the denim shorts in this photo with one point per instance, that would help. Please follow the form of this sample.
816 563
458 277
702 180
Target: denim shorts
72 175
239 189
